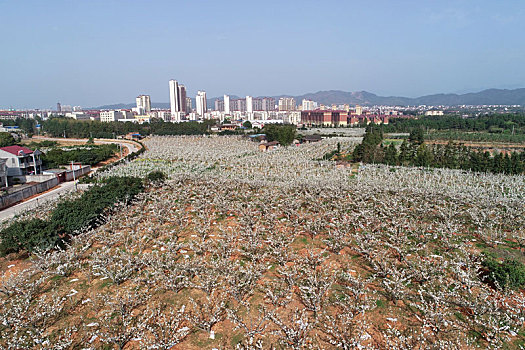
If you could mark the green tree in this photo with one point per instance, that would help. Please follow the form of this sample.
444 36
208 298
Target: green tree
391 155
508 274
284 134
405 154
28 235
6 139
416 136
424 156
368 151
247 124
156 176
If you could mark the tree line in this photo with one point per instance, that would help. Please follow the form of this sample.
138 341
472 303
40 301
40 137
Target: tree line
414 152
495 123
58 126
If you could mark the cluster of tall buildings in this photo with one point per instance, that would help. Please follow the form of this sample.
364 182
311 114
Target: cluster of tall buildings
249 104
181 105
255 109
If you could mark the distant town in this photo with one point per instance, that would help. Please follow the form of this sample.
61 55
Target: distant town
259 111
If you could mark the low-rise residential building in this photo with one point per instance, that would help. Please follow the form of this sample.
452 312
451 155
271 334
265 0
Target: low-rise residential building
269 146
21 160
78 115
355 120
312 138
324 118
111 116
142 119
434 113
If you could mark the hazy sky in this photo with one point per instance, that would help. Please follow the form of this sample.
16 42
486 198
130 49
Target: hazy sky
91 53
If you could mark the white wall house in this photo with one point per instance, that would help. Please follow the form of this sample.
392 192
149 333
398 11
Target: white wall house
21 160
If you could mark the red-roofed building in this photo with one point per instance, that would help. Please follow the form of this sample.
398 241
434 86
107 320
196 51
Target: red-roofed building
16 150
21 160
320 117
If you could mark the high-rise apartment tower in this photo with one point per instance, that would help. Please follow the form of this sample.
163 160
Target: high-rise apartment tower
201 102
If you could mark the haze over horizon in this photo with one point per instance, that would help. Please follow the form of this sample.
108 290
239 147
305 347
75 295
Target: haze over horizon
95 53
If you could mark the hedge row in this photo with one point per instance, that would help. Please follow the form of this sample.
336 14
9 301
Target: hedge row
69 218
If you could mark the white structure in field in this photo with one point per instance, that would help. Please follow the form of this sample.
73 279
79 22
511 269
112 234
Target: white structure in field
201 103
143 104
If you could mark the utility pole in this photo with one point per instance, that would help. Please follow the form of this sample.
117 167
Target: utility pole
120 144
34 161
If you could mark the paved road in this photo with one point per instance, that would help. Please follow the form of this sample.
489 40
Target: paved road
63 188
35 202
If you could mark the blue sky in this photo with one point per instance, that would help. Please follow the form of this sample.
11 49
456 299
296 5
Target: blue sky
91 53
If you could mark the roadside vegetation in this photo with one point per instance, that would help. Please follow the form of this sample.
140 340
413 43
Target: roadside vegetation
68 218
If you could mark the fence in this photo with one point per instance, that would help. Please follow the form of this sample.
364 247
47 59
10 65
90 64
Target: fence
78 172
10 199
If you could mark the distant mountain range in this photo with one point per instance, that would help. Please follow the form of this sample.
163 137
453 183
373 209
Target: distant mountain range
364 98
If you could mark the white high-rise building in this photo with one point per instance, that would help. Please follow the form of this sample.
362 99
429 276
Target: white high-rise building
189 105
249 104
177 99
182 99
286 104
174 97
226 104
201 103
308 105
268 104
143 104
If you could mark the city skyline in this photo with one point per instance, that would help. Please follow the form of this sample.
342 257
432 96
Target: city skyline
404 49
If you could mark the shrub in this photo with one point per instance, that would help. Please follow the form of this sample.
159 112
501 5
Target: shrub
507 274
73 215
29 235
156 176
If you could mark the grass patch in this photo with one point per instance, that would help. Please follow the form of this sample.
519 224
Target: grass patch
380 303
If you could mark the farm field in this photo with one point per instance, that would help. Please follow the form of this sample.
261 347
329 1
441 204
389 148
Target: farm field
242 249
